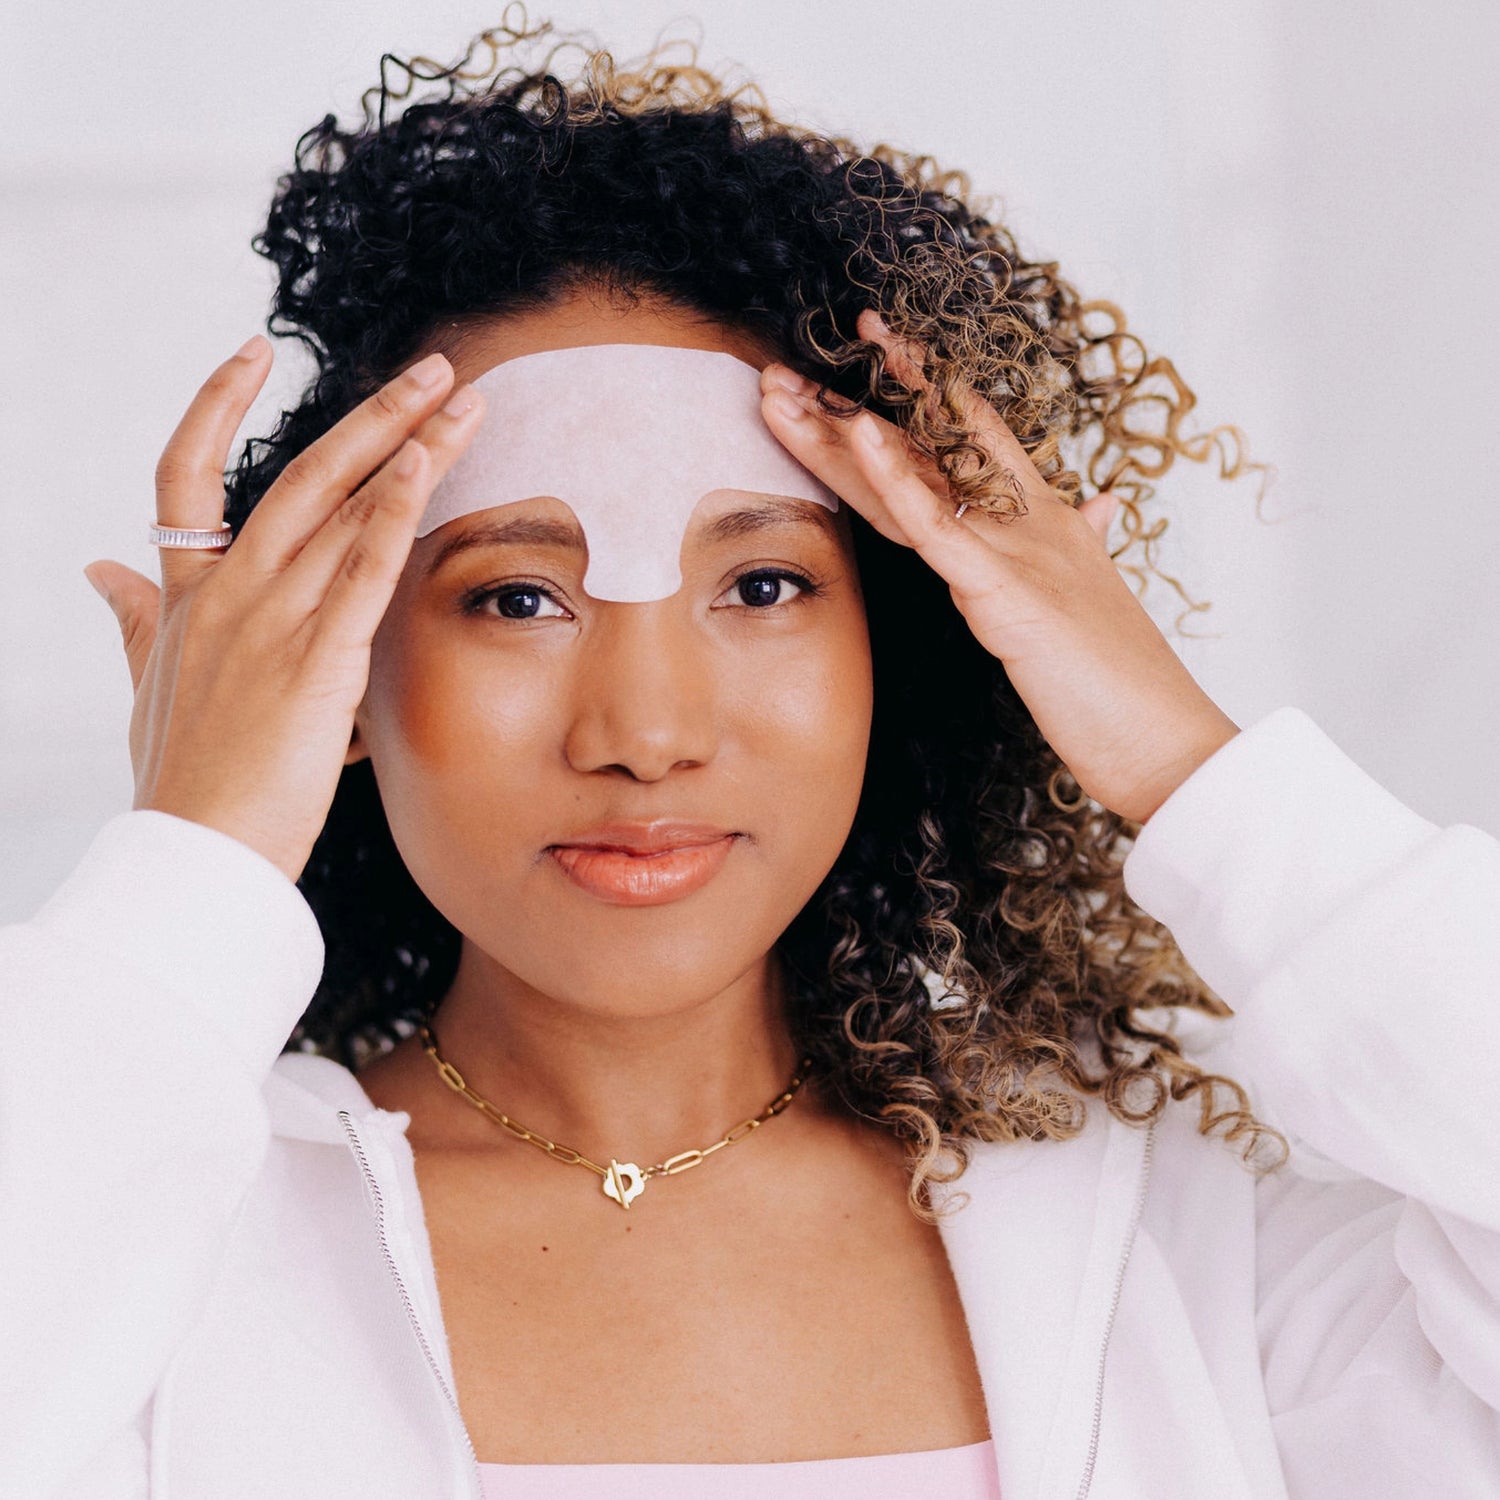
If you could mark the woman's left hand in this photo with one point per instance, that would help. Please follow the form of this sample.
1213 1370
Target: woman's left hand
1040 591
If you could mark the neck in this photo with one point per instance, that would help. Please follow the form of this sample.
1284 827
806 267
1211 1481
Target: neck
639 1088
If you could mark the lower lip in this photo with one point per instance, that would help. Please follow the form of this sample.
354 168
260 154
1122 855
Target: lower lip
642 879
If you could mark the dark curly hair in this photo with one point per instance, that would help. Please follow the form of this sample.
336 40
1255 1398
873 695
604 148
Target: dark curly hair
972 966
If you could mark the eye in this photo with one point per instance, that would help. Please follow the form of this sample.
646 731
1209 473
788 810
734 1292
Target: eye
764 588
515 601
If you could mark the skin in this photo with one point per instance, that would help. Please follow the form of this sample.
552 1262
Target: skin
493 738
322 636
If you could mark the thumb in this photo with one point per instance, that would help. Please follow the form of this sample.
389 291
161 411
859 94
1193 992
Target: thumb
136 602
1099 511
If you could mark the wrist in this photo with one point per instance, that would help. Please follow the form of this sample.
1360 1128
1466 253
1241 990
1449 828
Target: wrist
1206 740
289 861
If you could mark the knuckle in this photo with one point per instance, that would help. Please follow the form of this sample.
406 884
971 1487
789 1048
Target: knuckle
174 471
220 383
362 565
386 404
307 470
358 509
828 432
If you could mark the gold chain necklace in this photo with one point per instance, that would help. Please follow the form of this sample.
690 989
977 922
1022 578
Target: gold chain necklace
623 1180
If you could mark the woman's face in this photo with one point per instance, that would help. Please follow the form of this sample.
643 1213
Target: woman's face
509 713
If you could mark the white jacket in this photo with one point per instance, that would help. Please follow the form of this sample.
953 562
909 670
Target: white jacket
215 1280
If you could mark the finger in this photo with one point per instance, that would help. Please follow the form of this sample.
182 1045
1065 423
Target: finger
360 593
823 442
903 360
954 546
190 471
1099 510
323 476
878 479
821 445
136 604
330 554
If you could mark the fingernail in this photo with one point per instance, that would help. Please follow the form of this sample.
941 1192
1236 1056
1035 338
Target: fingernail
789 380
462 400
251 348
429 372
784 404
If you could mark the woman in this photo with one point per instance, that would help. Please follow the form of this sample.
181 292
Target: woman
705 936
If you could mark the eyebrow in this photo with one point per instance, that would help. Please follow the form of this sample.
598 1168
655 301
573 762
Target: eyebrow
522 531
543 531
774 510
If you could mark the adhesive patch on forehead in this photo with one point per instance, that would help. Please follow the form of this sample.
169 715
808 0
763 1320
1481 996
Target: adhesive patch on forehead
631 437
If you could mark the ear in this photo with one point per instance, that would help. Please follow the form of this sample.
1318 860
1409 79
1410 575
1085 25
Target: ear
357 750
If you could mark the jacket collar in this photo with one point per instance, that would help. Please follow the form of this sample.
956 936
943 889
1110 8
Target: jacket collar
304 1093
1037 1234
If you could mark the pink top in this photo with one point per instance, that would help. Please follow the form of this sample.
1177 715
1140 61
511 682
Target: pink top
955 1473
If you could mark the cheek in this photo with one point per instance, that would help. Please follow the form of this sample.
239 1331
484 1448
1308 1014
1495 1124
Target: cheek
802 722
445 720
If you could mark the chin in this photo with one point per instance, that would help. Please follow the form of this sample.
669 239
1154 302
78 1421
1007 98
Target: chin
640 962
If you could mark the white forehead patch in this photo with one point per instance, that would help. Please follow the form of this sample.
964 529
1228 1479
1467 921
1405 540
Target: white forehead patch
631 437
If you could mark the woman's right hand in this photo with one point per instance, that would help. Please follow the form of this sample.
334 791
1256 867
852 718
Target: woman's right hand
249 662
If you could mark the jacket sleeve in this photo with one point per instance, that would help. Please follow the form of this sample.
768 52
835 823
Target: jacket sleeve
1359 946
142 1009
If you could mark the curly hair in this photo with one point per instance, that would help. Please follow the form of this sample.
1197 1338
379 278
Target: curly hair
972 967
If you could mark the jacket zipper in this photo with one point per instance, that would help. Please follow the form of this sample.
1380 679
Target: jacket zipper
378 1202
1086 1482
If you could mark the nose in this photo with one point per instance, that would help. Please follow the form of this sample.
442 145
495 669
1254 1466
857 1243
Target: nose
645 699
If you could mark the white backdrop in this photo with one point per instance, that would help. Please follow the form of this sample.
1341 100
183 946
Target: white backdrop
1296 203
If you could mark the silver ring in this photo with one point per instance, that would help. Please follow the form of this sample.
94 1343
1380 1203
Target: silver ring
182 536
961 509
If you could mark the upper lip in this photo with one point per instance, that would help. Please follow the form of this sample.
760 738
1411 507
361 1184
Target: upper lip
645 838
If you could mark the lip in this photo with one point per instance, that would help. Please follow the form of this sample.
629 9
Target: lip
644 864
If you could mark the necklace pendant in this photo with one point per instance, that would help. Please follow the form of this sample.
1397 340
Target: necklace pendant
624 1182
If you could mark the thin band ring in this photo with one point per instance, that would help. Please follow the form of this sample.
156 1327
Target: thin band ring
184 536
